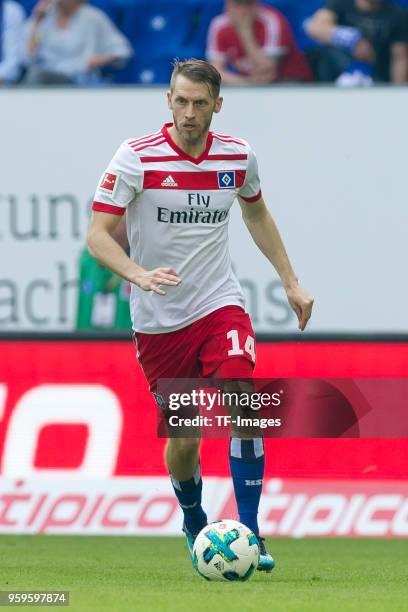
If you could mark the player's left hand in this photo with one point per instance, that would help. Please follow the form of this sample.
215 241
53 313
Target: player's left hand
301 302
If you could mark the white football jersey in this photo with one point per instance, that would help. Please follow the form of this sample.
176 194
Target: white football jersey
177 217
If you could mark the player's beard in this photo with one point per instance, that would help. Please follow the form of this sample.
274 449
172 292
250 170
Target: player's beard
192 138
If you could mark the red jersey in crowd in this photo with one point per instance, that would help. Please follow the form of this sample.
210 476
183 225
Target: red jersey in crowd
274 36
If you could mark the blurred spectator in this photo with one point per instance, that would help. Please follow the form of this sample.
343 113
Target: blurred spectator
366 40
253 43
103 301
69 42
11 38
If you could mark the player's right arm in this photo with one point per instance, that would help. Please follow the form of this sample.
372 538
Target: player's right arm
118 189
110 254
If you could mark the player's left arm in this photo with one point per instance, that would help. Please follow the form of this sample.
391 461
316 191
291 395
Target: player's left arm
266 236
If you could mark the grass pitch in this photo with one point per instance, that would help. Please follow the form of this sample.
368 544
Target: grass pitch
117 574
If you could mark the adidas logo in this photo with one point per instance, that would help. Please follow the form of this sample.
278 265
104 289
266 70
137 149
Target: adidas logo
169 182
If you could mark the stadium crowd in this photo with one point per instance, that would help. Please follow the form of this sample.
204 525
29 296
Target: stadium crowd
348 42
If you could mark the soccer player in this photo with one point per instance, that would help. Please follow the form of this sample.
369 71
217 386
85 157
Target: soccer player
177 186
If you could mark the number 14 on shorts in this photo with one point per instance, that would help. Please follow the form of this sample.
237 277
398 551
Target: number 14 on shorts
249 346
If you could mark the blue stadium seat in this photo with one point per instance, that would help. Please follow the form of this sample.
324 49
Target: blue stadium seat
159 32
206 11
158 27
109 7
146 71
28 5
305 10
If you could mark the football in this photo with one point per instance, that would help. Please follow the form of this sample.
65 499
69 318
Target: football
226 550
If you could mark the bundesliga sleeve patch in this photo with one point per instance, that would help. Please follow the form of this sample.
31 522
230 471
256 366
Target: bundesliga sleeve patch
226 180
109 182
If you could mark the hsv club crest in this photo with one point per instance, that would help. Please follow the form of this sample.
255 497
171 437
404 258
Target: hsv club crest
226 180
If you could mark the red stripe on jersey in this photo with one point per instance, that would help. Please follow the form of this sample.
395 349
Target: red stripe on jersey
153 143
159 158
166 158
228 156
228 136
108 208
229 139
252 198
189 180
144 138
143 143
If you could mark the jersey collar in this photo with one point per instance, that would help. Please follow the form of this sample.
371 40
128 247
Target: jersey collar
180 152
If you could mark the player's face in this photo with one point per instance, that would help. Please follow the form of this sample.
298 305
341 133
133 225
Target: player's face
192 106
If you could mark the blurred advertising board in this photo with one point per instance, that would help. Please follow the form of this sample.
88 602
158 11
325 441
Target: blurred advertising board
147 506
79 451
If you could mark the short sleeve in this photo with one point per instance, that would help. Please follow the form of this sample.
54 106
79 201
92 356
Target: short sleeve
251 189
120 183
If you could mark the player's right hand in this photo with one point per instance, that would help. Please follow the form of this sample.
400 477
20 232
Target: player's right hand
150 280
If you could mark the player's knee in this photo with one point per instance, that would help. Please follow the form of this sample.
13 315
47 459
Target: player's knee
186 447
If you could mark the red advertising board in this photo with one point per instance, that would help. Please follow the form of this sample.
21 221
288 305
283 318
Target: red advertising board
80 375
82 411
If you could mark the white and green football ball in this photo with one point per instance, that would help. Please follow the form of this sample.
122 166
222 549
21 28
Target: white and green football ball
226 550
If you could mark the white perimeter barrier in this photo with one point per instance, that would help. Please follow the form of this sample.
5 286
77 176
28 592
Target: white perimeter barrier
333 166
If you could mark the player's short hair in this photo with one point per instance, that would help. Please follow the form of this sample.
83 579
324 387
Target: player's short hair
197 71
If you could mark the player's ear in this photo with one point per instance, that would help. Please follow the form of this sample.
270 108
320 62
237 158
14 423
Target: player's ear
218 104
169 99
